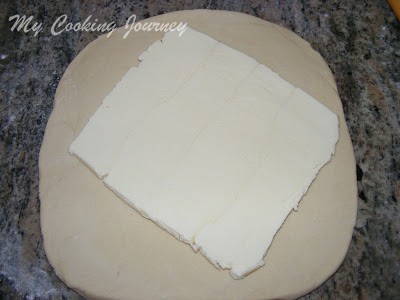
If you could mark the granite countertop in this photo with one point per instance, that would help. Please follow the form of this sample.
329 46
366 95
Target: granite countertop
360 40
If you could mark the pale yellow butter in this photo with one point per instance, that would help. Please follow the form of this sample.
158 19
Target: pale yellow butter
211 145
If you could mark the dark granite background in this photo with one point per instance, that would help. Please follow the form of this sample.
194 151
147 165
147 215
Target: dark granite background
360 40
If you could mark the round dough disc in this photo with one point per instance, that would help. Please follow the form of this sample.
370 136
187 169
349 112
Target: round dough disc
103 248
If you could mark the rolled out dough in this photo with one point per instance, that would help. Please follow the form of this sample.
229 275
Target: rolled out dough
103 248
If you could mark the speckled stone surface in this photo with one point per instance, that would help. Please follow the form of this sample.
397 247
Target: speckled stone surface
360 40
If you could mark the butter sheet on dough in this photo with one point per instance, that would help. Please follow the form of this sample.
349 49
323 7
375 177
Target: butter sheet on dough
217 153
102 248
